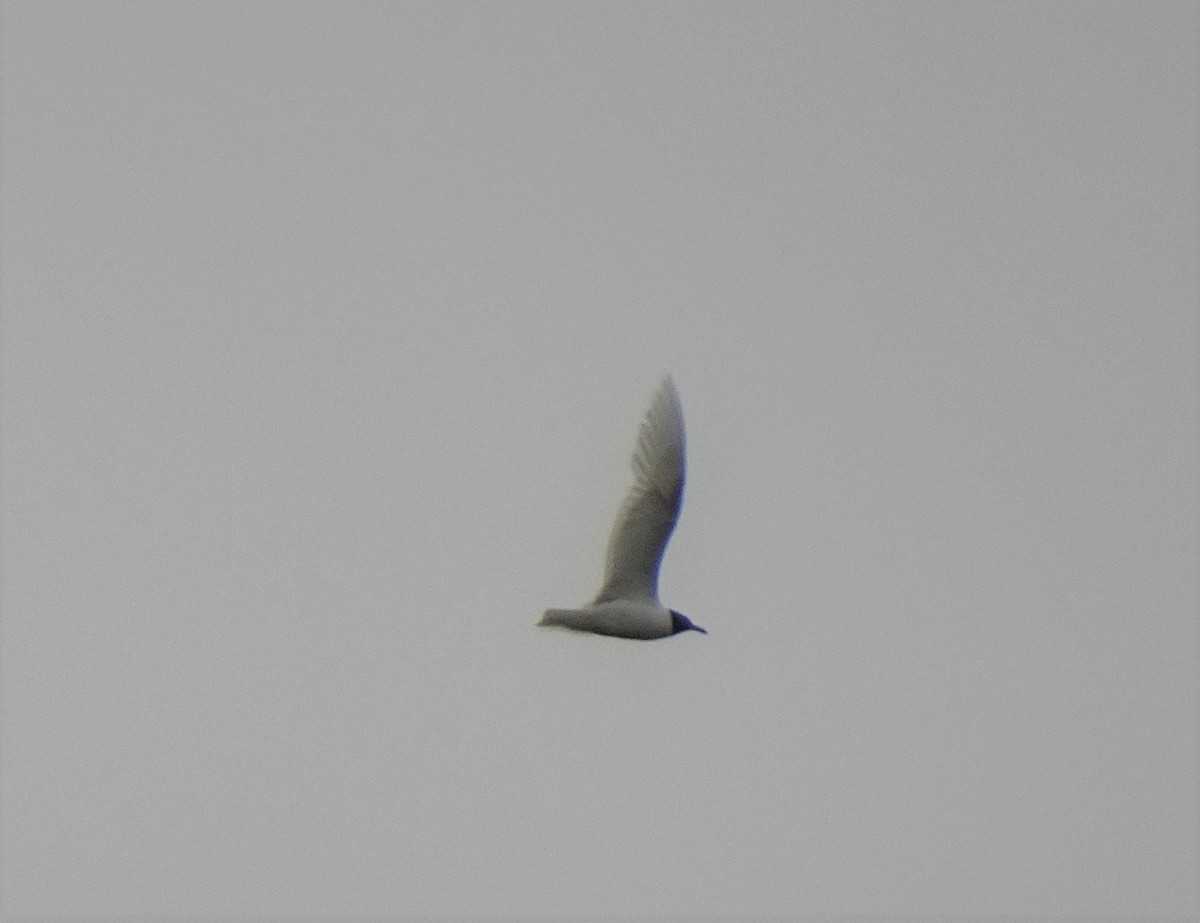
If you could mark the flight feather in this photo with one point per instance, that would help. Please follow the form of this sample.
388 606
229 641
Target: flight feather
651 509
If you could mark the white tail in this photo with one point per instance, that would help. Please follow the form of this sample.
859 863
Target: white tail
561 618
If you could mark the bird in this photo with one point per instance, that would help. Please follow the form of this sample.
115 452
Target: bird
627 605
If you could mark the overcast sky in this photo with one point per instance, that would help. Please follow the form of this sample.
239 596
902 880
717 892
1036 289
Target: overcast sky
326 333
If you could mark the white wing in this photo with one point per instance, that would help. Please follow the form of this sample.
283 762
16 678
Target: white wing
648 516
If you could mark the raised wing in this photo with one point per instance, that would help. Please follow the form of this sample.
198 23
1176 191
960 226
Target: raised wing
648 516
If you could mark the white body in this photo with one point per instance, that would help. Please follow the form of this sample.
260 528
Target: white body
627 605
644 619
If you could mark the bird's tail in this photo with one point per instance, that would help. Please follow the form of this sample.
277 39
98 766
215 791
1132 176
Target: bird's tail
561 618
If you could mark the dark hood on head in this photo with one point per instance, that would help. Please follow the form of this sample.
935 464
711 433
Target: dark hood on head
680 622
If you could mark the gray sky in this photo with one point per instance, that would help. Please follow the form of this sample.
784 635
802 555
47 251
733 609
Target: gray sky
326 334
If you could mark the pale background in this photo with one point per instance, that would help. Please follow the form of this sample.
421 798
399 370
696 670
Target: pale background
327 329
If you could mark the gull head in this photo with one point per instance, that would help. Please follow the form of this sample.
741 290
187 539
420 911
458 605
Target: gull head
680 622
